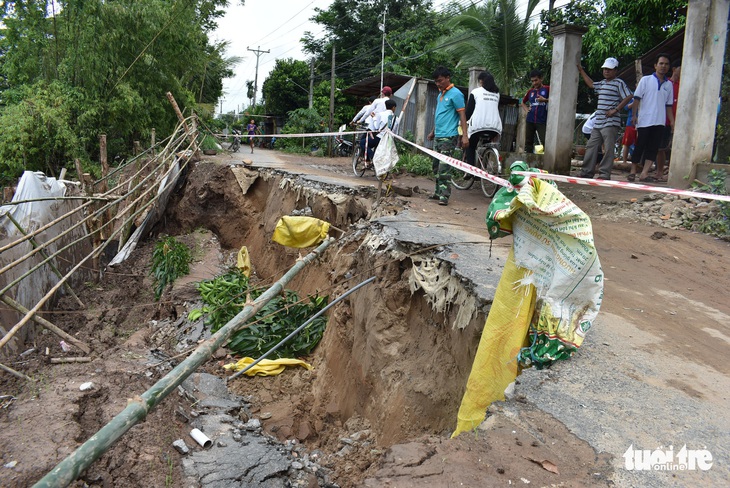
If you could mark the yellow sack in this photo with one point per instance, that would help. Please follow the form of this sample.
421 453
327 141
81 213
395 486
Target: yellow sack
267 367
297 231
505 333
244 262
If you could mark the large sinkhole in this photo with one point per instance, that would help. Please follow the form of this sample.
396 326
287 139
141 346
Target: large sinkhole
396 354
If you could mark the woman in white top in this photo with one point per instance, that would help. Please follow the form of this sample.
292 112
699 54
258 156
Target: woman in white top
482 113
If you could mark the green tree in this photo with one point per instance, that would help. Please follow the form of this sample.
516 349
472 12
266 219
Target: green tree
623 29
495 36
353 28
345 106
284 88
117 60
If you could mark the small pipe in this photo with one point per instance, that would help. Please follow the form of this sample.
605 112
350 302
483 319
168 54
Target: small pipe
298 329
201 438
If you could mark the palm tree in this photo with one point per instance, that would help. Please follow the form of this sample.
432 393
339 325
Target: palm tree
492 34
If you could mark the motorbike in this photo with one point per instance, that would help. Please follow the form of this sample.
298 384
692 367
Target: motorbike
236 144
343 146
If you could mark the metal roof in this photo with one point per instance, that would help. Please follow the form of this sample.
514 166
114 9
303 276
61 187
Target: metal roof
371 86
674 46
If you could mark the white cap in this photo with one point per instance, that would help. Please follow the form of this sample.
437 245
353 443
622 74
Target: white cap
610 63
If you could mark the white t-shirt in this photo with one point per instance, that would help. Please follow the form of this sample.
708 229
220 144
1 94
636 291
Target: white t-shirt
486 112
379 105
382 119
655 97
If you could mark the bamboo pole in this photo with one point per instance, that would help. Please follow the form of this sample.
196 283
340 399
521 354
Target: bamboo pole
14 373
43 253
179 114
53 289
138 407
47 324
86 220
70 360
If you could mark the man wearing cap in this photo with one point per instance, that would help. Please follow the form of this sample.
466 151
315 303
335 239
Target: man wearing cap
652 110
379 103
450 115
613 95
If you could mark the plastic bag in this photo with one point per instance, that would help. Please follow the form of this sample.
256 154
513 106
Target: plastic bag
386 155
243 261
299 231
266 367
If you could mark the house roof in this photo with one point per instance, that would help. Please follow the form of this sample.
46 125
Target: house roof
371 86
674 46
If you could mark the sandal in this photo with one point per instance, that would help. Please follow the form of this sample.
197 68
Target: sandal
631 178
648 179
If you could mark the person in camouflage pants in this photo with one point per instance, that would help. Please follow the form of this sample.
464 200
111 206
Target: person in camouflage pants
445 146
450 114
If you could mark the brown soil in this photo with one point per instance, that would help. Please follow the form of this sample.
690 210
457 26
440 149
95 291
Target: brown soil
389 371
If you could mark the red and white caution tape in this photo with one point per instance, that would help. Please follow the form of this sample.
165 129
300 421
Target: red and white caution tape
465 167
312 134
473 170
623 184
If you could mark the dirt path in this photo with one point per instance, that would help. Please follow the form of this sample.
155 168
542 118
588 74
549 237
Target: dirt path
651 373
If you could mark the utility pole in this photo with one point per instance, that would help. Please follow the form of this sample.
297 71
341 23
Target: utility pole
332 102
382 51
221 107
258 53
311 81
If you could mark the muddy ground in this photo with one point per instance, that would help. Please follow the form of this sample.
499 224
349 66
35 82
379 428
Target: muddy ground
381 401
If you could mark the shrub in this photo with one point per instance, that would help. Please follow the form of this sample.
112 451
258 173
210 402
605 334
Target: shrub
170 260
224 297
417 164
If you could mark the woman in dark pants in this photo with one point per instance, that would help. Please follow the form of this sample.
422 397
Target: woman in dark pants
482 114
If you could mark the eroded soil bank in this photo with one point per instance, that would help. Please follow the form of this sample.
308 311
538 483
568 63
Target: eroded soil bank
388 376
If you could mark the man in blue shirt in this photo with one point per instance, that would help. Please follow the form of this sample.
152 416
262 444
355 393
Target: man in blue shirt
450 114
535 104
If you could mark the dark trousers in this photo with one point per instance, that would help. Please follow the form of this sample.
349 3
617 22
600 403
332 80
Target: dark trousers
531 128
471 151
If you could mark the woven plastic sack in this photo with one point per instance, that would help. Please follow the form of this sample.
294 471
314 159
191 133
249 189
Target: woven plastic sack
504 334
299 231
386 155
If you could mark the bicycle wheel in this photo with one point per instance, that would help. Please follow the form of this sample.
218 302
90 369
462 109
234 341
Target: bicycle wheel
490 163
461 180
358 161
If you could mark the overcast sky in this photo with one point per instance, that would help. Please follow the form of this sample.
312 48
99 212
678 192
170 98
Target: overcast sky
275 26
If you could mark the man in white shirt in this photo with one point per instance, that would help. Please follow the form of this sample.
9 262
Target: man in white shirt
379 103
653 97
365 111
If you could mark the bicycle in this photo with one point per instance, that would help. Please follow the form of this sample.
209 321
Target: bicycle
358 161
487 154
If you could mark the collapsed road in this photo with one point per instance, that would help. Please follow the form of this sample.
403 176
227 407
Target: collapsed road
378 408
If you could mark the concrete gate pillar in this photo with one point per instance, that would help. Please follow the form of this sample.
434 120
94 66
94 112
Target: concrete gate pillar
474 73
421 103
567 41
704 50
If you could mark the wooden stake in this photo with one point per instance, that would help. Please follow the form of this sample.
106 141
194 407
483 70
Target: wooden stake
43 322
15 373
